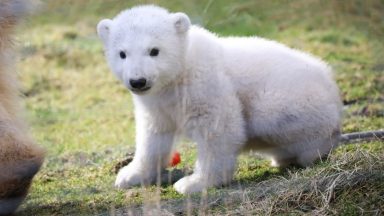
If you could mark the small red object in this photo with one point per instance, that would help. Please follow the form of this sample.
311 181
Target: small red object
176 159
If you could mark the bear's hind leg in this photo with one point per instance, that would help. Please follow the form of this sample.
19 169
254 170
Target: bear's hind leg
305 153
282 162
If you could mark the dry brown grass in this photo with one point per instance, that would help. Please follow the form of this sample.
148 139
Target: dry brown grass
312 191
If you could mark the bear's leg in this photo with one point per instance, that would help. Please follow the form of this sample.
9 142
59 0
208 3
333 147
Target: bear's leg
320 151
214 166
152 155
282 162
305 152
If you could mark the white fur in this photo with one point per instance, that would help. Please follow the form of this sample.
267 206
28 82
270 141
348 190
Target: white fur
226 94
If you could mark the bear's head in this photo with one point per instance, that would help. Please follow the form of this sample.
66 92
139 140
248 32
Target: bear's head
145 47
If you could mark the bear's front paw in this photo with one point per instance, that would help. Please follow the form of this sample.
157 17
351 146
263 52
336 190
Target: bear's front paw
191 184
130 176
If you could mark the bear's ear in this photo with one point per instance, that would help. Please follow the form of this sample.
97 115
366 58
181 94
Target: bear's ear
181 22
103 29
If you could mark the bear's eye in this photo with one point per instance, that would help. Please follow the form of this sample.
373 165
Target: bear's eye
154 52
122 55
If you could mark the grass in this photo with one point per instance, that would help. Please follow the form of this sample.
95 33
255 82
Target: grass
84 118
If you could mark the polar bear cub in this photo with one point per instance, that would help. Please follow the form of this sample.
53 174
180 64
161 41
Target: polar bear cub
226 94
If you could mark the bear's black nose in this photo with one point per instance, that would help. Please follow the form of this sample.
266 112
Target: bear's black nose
138 83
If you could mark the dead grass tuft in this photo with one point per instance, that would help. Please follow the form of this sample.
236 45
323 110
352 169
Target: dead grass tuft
301 191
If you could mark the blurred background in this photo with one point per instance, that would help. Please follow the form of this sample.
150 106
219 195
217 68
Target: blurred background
83 116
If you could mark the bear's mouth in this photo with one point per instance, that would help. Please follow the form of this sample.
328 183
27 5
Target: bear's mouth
140 91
